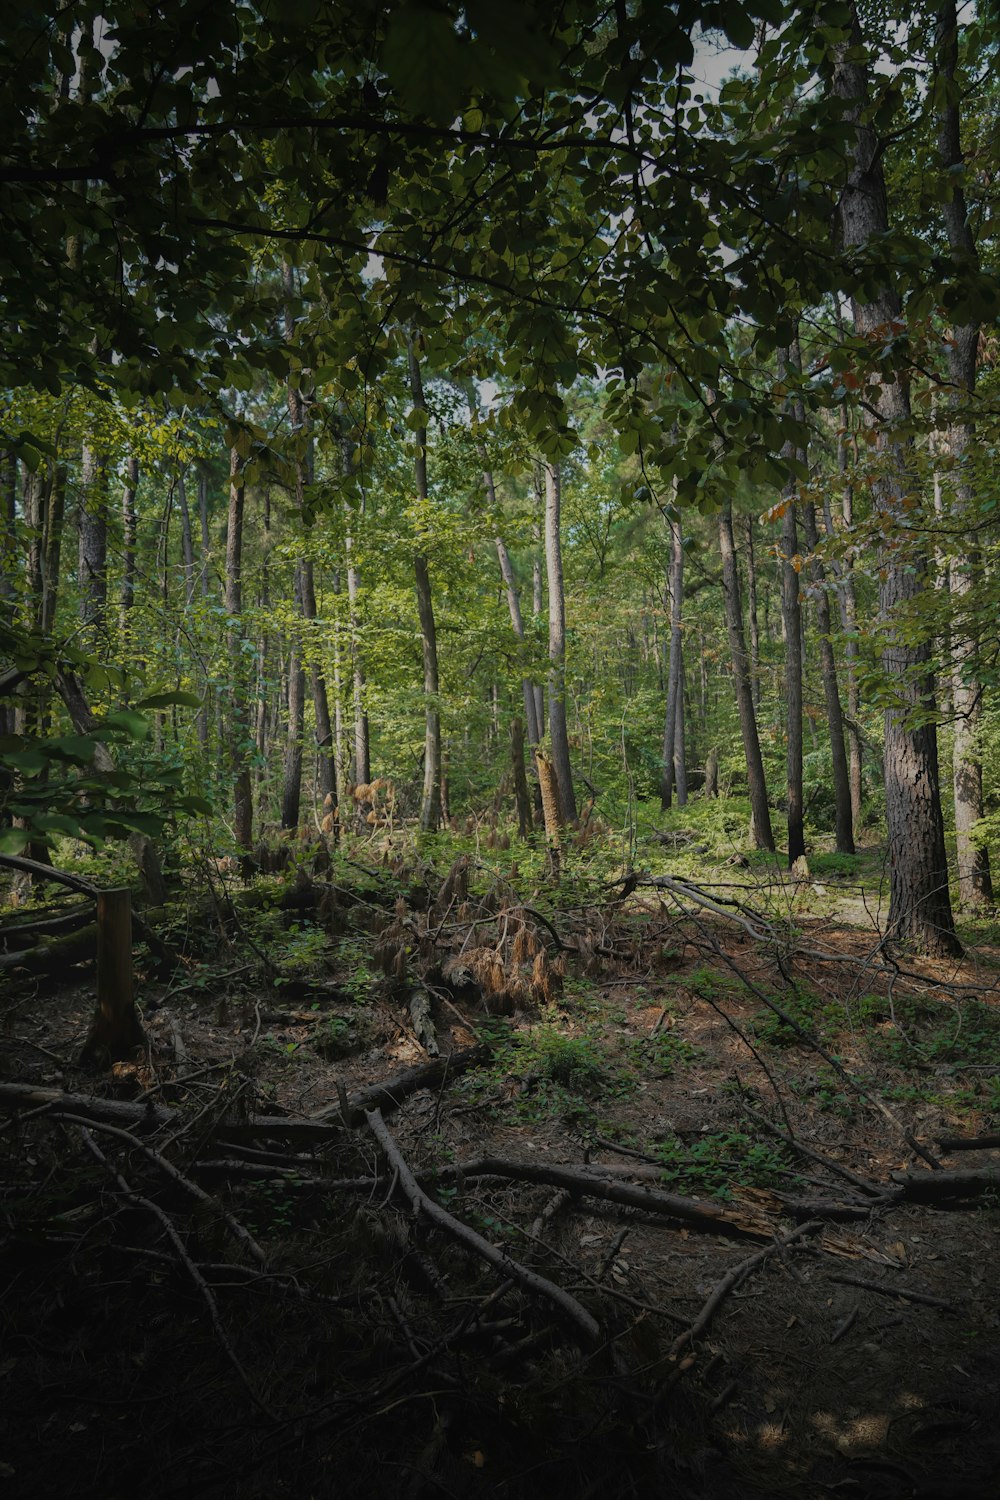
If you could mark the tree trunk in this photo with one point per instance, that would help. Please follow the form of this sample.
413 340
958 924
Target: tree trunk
791 620
843 818
752 613
129 525
537 586
521 796
93 542
849 624
517 624
919 903
430 802
974 877
674 768
759 812
239 735
187 542
557 645
291 795
362 751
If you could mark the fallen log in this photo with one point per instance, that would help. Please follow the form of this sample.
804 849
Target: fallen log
968 1142
53 952
959 1182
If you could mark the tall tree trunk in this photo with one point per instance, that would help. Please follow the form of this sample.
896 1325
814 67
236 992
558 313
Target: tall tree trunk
129 527
674 771
843 817
291 795
537 585
93 542
430 802
557 644
362 743
752 614
759 811
974 877
55 512
919 903
849 624
8 567
517 624
203 567
187 542
239 740
791 619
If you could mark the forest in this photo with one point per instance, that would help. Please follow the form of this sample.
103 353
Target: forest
499 749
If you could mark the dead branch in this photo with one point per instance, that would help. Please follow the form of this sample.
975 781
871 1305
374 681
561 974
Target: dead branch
201 1284
583 1323
732 1279
391 1093
968 1142
168 1169
931 1187
589 1182
893 1291
811 1154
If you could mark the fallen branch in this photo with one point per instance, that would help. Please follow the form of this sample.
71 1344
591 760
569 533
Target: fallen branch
170 1230
168 1169
930 1187
893 1291
731 1281
583 1323
968 1142
391 1093
811 1154
589 1182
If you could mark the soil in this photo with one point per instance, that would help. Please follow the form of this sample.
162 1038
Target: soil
805 1383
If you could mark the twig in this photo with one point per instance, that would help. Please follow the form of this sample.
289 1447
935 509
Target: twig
844 1325
811 1154
185 1259
732 1279
169 1170
586 1326
894 1291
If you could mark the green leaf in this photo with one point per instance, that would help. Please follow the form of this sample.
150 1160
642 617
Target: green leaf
169 699
13 840
130 723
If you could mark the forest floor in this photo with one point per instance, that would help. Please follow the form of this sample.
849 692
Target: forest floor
752 1089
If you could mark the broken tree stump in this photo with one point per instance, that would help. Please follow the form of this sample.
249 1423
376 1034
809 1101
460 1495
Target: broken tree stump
115 1032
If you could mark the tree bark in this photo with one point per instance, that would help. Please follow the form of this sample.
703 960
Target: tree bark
521 796
843 815
674 772
759 811
919 903
752 615
8 565
557 645
129 526
430 802
239 736
974 876
93 541
517 624
791 620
